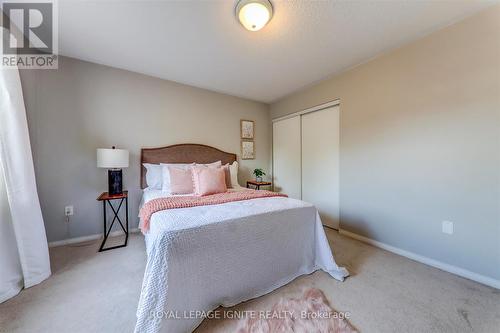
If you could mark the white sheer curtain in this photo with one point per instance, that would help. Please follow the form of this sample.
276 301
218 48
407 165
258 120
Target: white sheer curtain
24 256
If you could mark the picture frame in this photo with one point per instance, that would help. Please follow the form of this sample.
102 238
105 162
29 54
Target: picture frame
247 129
247 150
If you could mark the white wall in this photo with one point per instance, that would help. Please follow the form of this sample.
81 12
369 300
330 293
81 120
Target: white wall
84 106
420 143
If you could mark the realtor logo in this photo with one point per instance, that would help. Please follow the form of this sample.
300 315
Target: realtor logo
29 37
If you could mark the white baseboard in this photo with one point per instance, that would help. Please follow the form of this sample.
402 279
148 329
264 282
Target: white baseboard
428 261
88 238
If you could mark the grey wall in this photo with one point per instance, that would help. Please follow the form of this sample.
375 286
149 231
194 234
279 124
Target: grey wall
84 106
420 143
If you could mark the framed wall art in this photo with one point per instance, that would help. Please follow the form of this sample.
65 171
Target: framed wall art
247 128
247 150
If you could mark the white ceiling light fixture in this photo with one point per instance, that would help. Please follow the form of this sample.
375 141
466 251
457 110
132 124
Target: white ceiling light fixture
254 14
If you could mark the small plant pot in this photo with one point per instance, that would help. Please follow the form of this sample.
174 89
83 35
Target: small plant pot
258 179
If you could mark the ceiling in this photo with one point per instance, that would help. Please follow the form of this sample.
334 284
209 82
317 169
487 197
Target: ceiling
200 43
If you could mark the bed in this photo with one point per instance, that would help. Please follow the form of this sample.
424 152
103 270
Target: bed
199 258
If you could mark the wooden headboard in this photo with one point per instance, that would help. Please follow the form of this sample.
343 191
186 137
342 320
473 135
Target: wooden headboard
183 153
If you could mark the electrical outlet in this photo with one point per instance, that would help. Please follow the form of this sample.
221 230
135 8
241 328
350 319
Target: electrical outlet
447 227
68 210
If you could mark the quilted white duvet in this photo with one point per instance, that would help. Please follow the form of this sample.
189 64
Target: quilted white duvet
201 257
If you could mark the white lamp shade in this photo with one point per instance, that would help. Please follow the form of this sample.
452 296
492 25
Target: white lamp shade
112 158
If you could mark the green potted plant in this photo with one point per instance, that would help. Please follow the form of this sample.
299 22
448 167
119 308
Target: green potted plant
258 174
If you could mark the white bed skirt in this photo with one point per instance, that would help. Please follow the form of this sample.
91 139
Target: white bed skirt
197 262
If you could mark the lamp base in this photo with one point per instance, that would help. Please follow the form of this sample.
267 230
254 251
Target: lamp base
115 182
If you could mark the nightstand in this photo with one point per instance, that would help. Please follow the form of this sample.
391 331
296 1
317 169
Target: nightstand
257 184
106 198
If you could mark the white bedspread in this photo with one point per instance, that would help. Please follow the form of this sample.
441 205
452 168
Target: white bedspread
203 257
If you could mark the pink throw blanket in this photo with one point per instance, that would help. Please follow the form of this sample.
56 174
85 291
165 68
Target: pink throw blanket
160 204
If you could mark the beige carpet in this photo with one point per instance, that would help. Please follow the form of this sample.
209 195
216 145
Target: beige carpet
98 292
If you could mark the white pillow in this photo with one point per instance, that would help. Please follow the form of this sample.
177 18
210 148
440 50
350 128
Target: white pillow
153 175
166 173
233 171
216 164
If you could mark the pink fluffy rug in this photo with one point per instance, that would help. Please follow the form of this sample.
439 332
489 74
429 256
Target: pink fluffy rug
310 313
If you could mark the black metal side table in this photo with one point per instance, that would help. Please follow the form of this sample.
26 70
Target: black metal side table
106 198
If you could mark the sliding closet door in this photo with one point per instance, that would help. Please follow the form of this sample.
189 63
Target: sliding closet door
320 163
286 157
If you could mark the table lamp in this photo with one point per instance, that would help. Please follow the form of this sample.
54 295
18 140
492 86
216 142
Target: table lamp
113 160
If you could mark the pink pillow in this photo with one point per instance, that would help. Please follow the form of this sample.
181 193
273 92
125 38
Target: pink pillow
208 180
181 180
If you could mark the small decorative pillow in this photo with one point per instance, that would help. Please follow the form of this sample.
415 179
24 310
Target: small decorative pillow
227 174
181 180
208 180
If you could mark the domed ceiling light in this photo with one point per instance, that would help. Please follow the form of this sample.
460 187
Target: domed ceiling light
254 14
